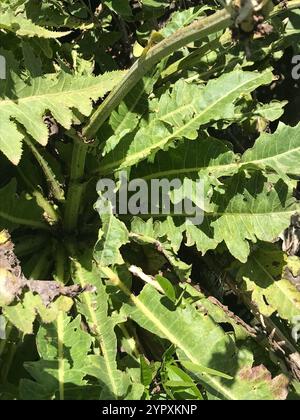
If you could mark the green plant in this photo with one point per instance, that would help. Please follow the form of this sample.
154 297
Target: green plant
106 306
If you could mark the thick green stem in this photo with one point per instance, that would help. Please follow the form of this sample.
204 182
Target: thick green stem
9 360
3 343
61 263
60 276
8 348
30 244
197 30
41 267
76 186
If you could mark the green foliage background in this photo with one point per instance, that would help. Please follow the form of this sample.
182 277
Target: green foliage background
173 311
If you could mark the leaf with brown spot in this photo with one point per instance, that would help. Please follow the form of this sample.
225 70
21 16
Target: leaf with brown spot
260 381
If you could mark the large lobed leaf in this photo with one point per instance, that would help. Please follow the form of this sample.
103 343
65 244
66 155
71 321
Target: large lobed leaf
113 382
180 113
59 374
245 209
60 94
210 354
278 152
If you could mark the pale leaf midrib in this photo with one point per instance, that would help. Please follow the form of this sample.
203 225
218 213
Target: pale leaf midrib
220 214
61 359
136 301
225 167
133 156
272 157
173 339
105 352
190 170
100 81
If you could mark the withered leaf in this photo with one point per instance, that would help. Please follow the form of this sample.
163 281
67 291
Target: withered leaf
291 237
13 283
50 290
